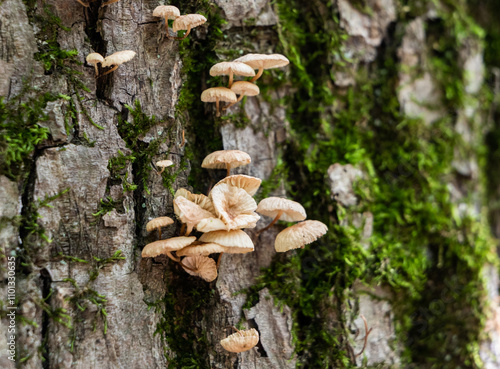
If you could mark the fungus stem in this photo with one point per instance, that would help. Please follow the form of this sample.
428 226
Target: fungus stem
85 5
257 76
217 106
109 2
177 260
236 329
96 70
159 233
272 223
111 70
230 79
218 260
188 230
185 35
183 228
237 101
228 167
367 332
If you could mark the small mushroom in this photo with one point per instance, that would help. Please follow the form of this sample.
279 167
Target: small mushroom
165 247
236 241
263 61
227 159
164 164
243 88
231 69
234 206
200 266
217 94
299 235
279 208
241 341
199 199
248 183
187 22
167 12
200 248
94 59
159 223
189 213
117 59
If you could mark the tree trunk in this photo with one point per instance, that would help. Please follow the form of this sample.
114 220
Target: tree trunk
383 126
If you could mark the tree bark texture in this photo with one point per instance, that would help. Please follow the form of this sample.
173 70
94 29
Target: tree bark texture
383 126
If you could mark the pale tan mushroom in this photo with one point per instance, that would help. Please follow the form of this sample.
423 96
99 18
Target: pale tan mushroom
263 61
117 59
248 183
200 266
243 88
241 341
199 199
201 248
190 213
211 224
236 241
218 94
231 69
164 164
94 59
159 223
165 247
299 235
167 12
279 208
187 22
226 159
234 206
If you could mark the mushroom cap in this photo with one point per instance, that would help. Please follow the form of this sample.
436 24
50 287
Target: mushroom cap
264 61
118 58
189 212
218 93
203 266
164 163
234 206
158 223
226 68
292 210
235 240
94 58
200 248
299 235
245 88
167 12
241 341
161 247
187 21
219 159
199 199
248 183
211 224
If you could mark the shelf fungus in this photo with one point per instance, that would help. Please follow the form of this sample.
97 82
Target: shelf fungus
232 69
226 159
94 59
200 266
165 247
159 223
217 95
279 208
299 235
263 61
241 341
117 59
187 22
167 12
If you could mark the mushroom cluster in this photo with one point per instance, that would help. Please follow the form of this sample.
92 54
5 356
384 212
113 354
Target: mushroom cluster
113 60
245 67
181 22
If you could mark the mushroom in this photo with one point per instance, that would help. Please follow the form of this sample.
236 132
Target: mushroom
189 213
226 159
241 340
279 208
216 94
243 88
109 2
200 248
235 241
159 223
248 183
167 12
164 164
231 69
165 247
234 206
299 235
186 22
117 59
200 266
263 61
94 59
199 199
